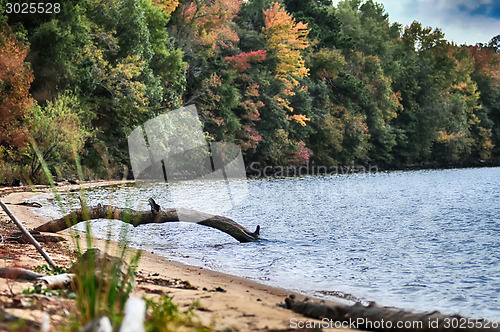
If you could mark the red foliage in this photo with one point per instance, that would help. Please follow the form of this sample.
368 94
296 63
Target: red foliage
15 80
252 138
301 155
486 61
241 62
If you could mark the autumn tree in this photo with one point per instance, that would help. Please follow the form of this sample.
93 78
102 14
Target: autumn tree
458 135
206 25
15 79
205 30
168 6
290 81
486 75
286 38
251 103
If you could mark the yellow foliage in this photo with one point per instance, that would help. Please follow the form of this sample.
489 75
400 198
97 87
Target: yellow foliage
300 118
286 38
444 137
120 80
168 6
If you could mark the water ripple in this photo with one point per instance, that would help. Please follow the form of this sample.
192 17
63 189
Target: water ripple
423 240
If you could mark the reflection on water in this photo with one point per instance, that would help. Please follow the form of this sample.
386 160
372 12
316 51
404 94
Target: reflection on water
423 240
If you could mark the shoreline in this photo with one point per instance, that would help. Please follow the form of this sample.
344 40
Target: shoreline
227 301
257 170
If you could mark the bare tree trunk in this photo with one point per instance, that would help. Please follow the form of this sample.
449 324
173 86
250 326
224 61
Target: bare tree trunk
373 317
155 215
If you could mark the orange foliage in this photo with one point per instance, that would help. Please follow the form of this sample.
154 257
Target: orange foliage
212 22
300 118
444 137
15 80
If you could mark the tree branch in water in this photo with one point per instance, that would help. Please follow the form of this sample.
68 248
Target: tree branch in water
155 215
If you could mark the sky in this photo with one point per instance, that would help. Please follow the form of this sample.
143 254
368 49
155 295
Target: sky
462 21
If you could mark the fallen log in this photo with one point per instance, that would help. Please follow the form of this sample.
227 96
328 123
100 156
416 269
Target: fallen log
92 260
373 317
30 204
19 274
155 215
19 237
56 281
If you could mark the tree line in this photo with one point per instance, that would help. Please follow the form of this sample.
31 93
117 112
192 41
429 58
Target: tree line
290 81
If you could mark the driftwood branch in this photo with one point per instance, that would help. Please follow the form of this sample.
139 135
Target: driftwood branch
57 281
19 274
93 259
30 204
155 215
61 281
370 317
19 237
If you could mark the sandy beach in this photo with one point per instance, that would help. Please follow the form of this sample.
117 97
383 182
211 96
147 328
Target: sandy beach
227 303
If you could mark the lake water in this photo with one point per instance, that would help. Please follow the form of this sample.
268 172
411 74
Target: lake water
421 240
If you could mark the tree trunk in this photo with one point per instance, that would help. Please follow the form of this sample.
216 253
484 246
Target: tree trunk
155 215
373 317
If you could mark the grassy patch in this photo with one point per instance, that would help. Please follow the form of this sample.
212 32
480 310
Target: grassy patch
164 315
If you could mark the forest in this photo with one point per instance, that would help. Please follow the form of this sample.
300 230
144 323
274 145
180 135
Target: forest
292 82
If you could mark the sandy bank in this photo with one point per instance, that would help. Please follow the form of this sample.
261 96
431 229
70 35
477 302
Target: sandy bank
227 302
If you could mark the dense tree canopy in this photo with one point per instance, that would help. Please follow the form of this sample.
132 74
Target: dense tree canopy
291 82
